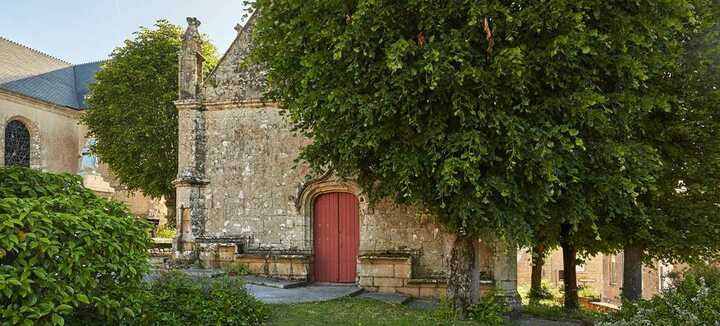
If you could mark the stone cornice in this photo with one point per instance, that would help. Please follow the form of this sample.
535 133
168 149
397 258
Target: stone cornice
40 104
238 104
191 104
187 182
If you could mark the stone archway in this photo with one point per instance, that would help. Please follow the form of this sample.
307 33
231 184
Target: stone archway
306 203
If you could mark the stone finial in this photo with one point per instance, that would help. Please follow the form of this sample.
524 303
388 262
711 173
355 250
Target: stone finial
238 28
190 69
193 21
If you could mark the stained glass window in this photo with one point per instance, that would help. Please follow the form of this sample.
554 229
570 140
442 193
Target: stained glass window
17 144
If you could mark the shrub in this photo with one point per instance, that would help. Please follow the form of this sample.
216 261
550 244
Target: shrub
588 292
546 294
694 300
236 269
166 232
490 309
64 251
176 299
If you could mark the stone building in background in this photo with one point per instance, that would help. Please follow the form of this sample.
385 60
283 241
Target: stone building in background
41 101
241 198
601 274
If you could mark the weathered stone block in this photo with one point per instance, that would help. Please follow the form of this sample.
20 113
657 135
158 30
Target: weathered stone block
282 268
403 270
377 270
365 281
226 252
411 291
256 268
388 281
429 292
386 289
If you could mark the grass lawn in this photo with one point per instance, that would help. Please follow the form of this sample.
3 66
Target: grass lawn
355 311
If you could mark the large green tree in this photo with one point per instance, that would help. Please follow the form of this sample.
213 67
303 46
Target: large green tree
680 221
131 111
504 116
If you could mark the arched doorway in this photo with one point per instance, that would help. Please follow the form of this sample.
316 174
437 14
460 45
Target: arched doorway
17 144
336 233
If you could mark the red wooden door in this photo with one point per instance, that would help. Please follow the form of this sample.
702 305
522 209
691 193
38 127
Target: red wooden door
336 237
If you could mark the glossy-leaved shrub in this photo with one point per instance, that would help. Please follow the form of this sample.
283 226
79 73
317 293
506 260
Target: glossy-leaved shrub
694 300
66 252
175 299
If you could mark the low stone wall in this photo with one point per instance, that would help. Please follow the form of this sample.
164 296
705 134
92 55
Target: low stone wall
393 274
376 273
290 267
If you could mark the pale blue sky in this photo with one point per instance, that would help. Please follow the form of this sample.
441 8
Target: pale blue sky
80 31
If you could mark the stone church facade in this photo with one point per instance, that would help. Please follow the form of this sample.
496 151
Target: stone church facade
242 199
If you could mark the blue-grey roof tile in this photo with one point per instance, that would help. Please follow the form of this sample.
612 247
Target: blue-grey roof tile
32 73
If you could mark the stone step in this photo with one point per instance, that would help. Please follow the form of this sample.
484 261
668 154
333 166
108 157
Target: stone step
391 298
273 283
202 272
423 304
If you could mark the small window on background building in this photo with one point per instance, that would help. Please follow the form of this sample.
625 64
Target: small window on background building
580 268
664 273
17 144
561 275
611 270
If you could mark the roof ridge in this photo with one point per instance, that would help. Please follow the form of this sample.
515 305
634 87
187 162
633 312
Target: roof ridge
90 62
36 51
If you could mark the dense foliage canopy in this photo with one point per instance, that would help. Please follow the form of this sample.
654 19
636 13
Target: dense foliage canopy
64 250
132 114
546 122
493 114
683 215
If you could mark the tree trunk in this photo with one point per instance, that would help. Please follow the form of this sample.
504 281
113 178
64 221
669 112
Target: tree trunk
569 272
171 217
538 260
632 271
461 263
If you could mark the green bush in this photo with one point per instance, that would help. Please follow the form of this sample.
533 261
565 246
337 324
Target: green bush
166 232
588 292
694 300
64 251
490 309
236 269
176 299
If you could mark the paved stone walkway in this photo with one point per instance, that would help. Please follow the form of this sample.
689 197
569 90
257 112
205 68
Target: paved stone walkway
309 293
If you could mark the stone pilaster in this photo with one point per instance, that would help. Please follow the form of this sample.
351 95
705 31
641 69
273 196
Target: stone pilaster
505 272
191 180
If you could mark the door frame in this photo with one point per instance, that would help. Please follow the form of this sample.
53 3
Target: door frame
305 203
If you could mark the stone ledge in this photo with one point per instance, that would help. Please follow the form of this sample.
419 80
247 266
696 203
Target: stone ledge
427 281
271 256
388 257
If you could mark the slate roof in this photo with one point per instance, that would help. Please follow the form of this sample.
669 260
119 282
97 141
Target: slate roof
32 73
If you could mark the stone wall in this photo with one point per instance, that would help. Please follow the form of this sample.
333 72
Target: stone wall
602 273
394 274
56 141
55 135
253 191
238 181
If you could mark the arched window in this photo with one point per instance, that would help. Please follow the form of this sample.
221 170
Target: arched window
17 144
